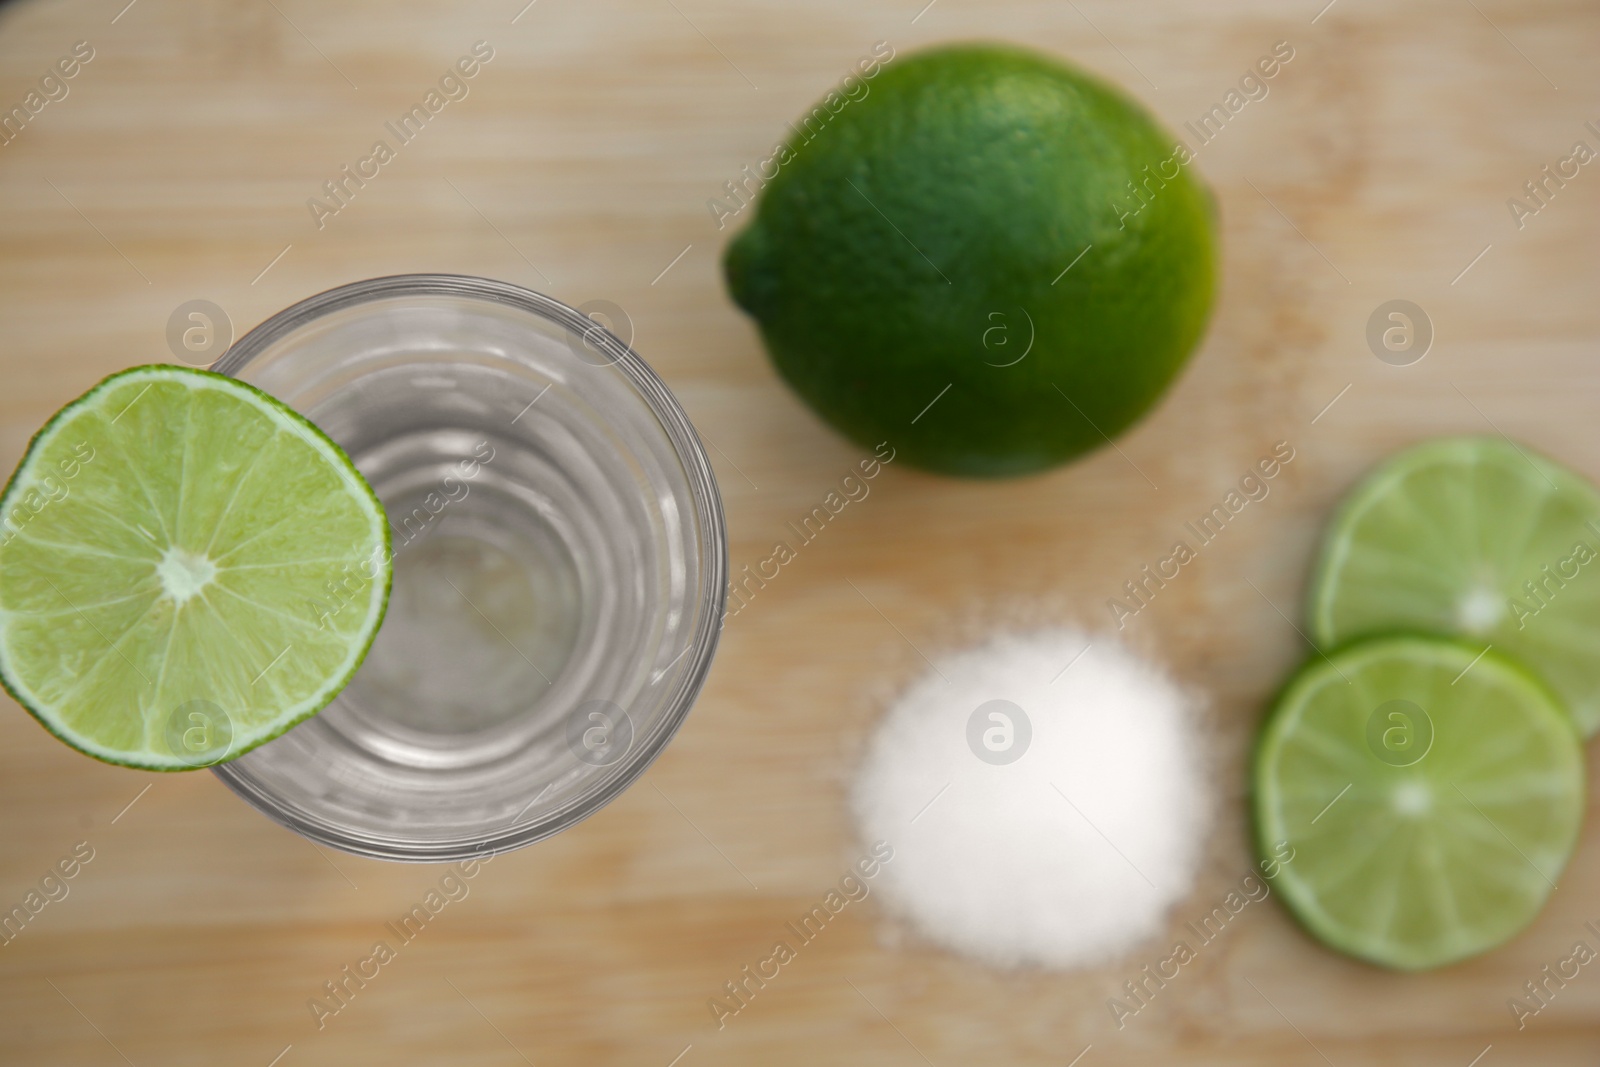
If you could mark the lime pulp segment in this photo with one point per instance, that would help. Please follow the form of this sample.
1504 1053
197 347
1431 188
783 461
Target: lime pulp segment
188 567
1432 794
1475 537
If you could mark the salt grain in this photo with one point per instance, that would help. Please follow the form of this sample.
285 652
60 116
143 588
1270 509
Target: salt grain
1045 796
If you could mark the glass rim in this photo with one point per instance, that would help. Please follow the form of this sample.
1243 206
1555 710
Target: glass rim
710 521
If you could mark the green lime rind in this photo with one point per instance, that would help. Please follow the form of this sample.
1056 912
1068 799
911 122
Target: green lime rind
251 641
1447 537
1427 839
988 257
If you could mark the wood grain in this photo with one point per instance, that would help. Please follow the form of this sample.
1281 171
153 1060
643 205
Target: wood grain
178 167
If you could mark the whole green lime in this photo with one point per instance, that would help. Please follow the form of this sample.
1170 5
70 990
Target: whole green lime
981 255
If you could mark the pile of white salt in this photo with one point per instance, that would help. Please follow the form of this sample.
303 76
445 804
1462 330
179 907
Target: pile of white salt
1046 798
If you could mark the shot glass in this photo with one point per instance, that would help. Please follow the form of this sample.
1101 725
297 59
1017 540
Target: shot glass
560 567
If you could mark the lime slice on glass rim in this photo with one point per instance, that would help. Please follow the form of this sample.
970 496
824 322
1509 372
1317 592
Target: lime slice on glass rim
188 568
1432 794
1477 537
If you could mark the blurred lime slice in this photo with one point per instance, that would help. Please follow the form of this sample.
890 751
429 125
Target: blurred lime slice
187 569
1478 537
1432 794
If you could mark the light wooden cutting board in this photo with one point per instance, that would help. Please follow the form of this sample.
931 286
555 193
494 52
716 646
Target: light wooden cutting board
178 167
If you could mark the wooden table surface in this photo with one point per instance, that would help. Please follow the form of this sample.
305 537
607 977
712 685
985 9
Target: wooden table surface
178 166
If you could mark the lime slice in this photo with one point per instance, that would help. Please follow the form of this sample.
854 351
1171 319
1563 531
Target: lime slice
1479 538
187 569
1431 794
